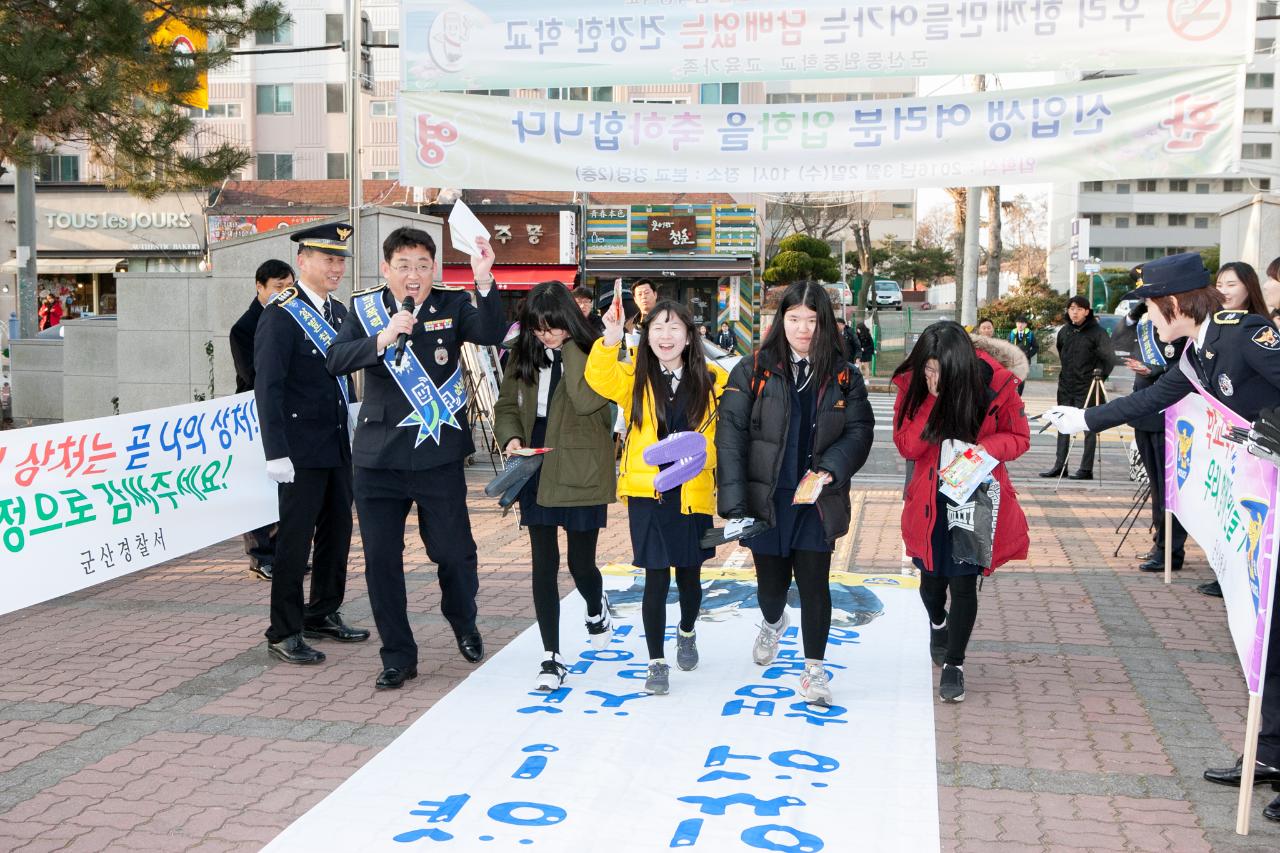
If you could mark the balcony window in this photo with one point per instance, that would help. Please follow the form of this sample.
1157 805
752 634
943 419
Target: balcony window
59 168
275 167
275 100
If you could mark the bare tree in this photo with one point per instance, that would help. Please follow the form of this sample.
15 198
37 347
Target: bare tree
995 245
1026 227
936 229
958 195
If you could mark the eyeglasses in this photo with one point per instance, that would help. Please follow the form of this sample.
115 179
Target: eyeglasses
420 269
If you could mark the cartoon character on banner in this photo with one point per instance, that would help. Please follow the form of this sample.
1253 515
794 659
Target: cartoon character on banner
1186 430
1257 509
850 605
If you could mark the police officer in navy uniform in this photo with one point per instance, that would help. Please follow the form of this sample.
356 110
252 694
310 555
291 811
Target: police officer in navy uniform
393 470
1235 357
272 277
305 438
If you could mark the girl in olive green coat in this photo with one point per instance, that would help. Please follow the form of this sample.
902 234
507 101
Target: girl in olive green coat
546 402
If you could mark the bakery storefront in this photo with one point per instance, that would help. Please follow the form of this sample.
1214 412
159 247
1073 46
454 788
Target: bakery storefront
85 235
701 255
532 243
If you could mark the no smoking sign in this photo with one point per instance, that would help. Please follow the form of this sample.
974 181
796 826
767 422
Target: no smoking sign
1198 20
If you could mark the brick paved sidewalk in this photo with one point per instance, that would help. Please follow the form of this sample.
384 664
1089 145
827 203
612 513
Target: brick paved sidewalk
144 714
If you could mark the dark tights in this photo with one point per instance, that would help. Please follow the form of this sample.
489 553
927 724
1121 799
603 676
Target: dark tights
963 613
653 611
545 544
812 570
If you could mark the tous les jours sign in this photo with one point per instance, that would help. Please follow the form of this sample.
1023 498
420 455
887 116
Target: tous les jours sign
123 222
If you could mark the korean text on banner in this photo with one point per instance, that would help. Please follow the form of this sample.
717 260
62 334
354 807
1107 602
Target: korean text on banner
1167 125
501 44
1226 499
89 501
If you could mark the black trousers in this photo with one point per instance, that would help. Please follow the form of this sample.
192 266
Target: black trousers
653 605
812 571
260 545
383 500
1269 733
544 544
1090 437
963 613
1151 450
314 508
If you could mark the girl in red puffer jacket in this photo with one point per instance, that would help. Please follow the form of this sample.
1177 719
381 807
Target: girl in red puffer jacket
949 390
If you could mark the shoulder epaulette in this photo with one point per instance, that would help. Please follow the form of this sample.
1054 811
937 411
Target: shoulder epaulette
285 295
373 289
448 288
1229 318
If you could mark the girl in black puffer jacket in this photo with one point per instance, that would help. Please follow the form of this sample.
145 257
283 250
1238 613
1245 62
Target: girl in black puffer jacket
797 406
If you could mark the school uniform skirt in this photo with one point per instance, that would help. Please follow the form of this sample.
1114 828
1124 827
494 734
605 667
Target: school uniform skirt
663 537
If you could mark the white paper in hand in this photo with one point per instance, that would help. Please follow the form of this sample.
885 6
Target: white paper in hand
464 228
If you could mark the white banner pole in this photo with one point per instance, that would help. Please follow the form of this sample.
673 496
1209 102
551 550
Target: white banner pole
1168 541
1248 760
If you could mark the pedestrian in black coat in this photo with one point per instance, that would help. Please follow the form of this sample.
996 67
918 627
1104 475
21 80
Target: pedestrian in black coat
1083 347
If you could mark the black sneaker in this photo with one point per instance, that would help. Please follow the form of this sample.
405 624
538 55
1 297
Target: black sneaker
551 675
937 644
951 685
1212 588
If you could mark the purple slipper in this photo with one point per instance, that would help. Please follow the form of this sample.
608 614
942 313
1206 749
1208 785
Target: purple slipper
678 445
680 472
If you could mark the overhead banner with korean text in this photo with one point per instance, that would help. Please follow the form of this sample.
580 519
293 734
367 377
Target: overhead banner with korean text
732 759
505 44
1168 125
1226 499
89 501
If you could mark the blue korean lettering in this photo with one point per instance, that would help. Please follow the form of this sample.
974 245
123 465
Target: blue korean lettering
762 808
686 834
801 842
547 815
818 715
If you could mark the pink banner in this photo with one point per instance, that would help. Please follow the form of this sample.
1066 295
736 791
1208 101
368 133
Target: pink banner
1226 499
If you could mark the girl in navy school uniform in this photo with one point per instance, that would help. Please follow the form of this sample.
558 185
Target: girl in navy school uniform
669 388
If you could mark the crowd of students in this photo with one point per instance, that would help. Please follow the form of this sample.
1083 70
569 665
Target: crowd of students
793 417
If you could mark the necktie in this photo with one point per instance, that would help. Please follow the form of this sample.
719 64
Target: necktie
556 369
669 377
328 312
802 372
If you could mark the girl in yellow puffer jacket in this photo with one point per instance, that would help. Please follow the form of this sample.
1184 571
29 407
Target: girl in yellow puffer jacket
670 369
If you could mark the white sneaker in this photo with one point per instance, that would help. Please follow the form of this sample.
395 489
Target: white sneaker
815 686
552 675
766 646
600 631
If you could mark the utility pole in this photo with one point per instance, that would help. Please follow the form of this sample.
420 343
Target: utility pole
973 213
354 48
25 191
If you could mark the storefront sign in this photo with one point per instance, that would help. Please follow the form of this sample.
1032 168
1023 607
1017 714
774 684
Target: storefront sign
1158 125
669 233
228 227
525 238
116 222
487 44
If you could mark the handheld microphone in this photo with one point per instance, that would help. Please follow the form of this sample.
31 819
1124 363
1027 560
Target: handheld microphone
407 305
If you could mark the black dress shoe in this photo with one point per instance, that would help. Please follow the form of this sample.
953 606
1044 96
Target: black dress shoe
1052 472
334 628
1156 563
391 678
1212 589
261 570
1080 475
471 646
1272 811
1262 773
294 649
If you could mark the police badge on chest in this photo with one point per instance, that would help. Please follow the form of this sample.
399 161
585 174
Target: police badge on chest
442 356
1225 386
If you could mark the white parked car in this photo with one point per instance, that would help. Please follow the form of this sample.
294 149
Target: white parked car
886 293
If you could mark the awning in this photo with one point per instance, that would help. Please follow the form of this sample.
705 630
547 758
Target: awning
65 266
669 267
512 277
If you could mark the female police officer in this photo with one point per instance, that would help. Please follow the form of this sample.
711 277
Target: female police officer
1234 356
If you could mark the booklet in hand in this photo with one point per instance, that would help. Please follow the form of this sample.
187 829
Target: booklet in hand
809 489
966 468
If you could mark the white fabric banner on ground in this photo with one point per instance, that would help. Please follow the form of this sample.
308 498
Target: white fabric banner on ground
89 501
730 760
1226 499
1151 126
504 44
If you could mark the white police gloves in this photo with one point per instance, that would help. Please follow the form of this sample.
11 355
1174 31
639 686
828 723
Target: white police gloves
1067 420
280 470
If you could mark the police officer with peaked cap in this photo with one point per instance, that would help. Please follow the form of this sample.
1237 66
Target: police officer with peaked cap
1235 357
302 411
407 456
